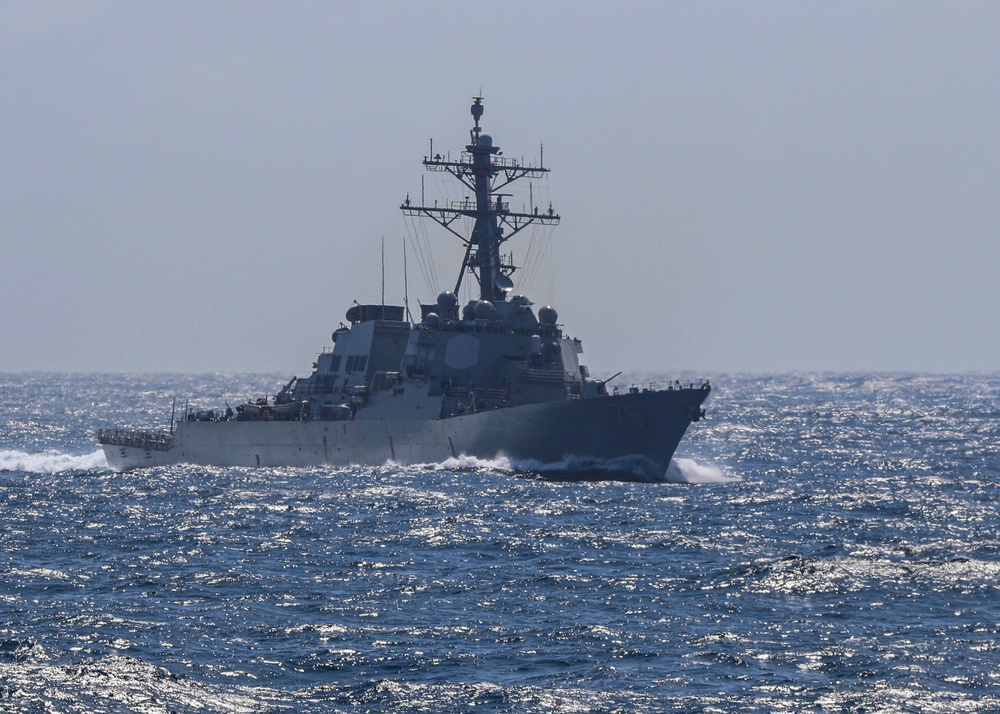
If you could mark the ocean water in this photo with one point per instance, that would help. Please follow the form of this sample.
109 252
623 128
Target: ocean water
822 543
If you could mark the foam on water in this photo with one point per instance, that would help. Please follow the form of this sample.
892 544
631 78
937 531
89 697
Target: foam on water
51 461
690 471
463 462
588 467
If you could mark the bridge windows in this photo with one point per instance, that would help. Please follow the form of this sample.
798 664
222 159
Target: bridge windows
356 363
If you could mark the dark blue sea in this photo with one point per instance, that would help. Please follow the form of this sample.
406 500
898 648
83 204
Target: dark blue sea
822 543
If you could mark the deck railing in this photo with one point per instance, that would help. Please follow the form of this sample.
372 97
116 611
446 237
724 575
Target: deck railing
136 438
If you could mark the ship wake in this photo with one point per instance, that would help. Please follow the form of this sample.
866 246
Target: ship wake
588 468
51 461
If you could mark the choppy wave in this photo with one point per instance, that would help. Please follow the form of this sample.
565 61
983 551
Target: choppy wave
847 560
113 683
51 461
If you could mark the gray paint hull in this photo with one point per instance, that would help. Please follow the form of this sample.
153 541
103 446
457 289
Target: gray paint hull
634 433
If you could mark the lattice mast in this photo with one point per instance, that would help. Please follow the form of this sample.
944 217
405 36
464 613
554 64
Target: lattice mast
483 169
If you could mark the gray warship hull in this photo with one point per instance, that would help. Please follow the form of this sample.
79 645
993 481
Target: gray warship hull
628 436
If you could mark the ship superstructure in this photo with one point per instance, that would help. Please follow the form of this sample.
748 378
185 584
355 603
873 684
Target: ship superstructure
489 378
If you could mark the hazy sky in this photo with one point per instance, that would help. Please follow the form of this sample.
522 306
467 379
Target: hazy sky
769 186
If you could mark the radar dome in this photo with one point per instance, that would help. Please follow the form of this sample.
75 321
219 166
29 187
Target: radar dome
447 304
484 310
469 311
548 315
432 319
447 298
485 140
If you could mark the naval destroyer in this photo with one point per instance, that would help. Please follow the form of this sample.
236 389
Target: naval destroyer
491 378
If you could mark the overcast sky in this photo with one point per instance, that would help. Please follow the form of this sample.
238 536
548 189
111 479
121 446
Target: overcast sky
764 187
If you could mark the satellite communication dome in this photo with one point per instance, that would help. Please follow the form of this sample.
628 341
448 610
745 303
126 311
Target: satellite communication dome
548 315
447 304
484 310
